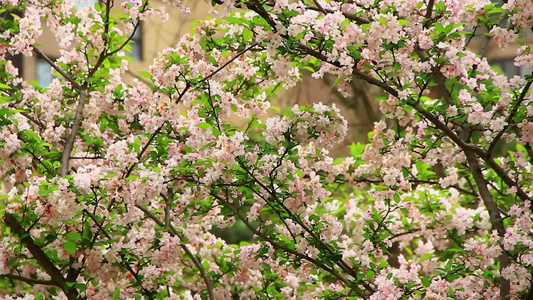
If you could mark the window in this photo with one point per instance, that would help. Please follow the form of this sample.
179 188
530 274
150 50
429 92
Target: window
79 4
509 69
136 44
44 73
524 70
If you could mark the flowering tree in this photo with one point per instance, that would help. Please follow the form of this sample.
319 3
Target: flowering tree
110 189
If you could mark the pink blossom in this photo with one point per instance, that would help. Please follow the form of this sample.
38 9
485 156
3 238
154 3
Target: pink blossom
503 36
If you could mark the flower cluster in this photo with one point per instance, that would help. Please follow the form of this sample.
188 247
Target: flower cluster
124 188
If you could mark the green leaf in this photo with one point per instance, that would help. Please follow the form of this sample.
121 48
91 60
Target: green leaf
396 198
425 257
74 236
87 233
54 155
116 294
354 49
314 218
154 155
450 27
70 246
247 34
338 161
236 20
39 296
271 289
145 74
370 274
403 22
426 281
439 27
204 125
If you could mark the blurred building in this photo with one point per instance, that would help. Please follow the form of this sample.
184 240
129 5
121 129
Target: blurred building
151 37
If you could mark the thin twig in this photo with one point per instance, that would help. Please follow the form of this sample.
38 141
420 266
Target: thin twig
145 147
34 120
228 62
69 144
286 249
510 117
189 253
347 16
124 262
58 69
433 119
341 263
320 7
29 280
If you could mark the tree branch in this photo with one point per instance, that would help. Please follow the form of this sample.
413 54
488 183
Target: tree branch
58 69
145 147
286 249
327 10
429 11
228 62
510 117
340 263
125 264
432 118
495 218
69 144
29 280
174 232
41 257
